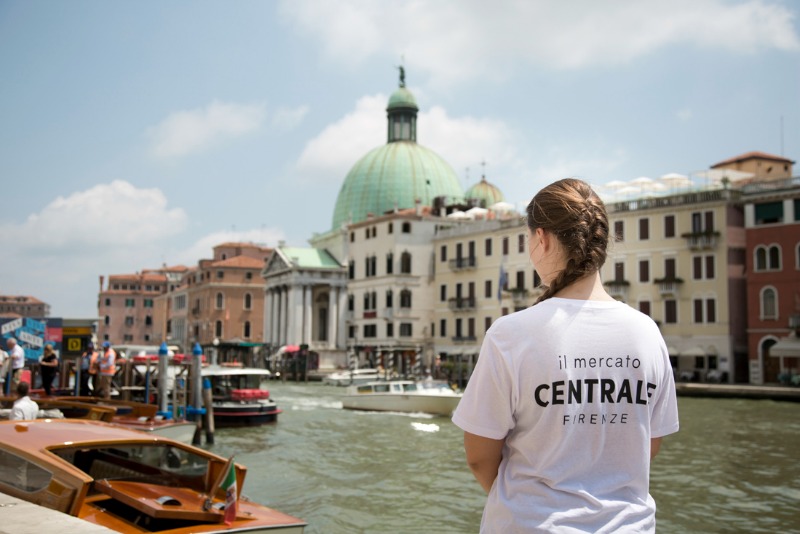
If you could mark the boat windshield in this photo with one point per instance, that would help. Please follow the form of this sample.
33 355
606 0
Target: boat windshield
157 463
227 382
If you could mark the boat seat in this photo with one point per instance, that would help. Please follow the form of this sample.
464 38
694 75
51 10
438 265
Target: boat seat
101 469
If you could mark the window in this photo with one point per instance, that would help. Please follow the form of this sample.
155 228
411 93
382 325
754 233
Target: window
443 293
769 304
246 330
370 298
389 298
644 270
108 302
644 307
370 266
669 226
619 230
389 263
769 212
405 330
710 267
697 267
520 279
670 311
443 253
669 269
130 303
148 320
128 320
619 271
351 303
389 329
405 298
370 330
391 228
711 310
220 275
351 332
248 275
147 303
487 245
698 310
505 246
459 329
443 327
487 289
521 243
405 263
107 320
707 307
471 327
352 238
768 258
218 329
487 323
406 230
248 301
351 270
644 229
220 301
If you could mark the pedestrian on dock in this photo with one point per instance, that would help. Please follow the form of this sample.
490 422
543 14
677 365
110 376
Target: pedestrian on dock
108 368
570 398
48 366
24 408
89 369
17 355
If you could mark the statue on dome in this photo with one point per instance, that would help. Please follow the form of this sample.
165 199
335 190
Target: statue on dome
402 76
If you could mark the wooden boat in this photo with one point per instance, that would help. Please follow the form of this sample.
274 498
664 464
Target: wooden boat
127 481
436 398
354 377
240 396
130 414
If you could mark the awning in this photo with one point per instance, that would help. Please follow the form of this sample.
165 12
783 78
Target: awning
672 351
694 351
788 347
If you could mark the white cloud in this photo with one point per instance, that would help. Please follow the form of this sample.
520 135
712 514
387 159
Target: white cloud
114 215
455 41
183 132
684 115
289 118
203 247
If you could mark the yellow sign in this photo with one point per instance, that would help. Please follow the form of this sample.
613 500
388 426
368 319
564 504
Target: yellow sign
73 344
76 331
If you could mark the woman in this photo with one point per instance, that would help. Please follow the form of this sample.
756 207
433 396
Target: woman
49 367
570 398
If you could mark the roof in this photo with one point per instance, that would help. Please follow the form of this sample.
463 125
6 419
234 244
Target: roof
45 433
485 193
394 176
402 98
20 299
752 155
310 258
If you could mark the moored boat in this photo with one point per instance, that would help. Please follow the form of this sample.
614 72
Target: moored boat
240 396
354 377
436 398
128 481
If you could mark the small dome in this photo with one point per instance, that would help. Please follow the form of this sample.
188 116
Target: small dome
394 176
483 194
402 98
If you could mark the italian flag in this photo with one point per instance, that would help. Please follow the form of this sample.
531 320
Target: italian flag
229 485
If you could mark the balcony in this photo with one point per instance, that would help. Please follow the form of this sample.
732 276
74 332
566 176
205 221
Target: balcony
617 288
668 286
701 240
461 304
464 339
459 264
518 294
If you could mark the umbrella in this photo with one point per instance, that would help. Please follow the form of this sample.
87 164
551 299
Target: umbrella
457 215
288 348
502 206
477 212
614 184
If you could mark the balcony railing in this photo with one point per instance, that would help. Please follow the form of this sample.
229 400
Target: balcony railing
458 264
668 286
701 240
464 339
518 294
462 303
617 288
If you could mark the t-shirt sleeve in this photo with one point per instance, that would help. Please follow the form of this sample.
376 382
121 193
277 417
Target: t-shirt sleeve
487 407
664 415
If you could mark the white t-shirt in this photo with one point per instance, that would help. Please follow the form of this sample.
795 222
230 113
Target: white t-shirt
17 357
577 389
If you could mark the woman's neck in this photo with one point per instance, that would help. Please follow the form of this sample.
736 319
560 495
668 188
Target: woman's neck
590 287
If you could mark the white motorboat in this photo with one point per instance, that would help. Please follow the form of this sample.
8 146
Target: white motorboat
436 398
354 377
240 397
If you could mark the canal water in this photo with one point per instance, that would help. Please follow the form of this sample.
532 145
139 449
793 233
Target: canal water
733 467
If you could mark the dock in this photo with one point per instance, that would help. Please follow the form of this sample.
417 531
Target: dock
738 391
23 517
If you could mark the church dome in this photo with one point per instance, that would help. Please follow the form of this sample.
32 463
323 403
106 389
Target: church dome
483 194
398 174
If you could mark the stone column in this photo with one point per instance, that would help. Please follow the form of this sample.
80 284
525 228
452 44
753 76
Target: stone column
268 316
333 314
341 323
308 311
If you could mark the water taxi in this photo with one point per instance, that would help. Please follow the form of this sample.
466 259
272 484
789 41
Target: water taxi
240 396
436 398
354 377
128 481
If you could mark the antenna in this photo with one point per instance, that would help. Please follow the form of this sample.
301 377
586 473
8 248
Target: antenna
781 135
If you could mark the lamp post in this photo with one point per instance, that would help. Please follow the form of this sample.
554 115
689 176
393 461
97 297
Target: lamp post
163 353
215 359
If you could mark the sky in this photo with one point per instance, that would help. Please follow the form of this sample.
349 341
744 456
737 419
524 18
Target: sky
138 134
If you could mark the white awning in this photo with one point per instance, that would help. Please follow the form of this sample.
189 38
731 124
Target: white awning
788 347
694 351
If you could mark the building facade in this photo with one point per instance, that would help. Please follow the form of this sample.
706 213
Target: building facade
23 306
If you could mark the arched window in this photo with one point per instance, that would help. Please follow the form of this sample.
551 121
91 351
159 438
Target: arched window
774 263
405 263
220 301
389 263
248 301
405 298
246 331
389 298
769 303
761 258
218 329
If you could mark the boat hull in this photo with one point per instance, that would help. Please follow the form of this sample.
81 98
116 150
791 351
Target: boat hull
392 402
233 414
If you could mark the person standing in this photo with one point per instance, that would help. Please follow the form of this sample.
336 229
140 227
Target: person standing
48 366
24 407
88 370
107 370
17 356
571 397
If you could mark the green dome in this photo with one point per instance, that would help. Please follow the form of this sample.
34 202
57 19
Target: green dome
394 176
402 98
483 194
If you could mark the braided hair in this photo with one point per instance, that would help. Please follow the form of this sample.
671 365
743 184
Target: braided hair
576 216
